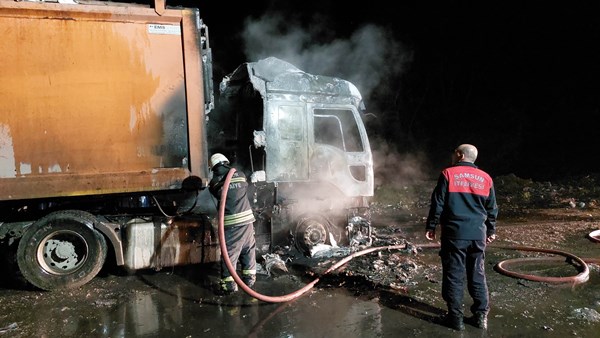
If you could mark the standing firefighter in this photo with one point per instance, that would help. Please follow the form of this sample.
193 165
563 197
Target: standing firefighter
464 204
238 223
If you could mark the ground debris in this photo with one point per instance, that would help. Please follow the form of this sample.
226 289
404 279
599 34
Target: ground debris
588 314
394 269
274 264
10 327
327 251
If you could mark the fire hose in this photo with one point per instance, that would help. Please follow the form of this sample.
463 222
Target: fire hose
594 236
583 276
297 293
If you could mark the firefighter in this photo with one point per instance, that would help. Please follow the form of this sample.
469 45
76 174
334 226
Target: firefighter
464 204
238 223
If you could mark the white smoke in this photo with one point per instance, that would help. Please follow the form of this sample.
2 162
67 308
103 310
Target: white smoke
367 57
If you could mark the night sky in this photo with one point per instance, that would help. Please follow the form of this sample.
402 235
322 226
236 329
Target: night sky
518 79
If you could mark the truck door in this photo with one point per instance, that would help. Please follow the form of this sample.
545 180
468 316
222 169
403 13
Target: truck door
341 154
287 143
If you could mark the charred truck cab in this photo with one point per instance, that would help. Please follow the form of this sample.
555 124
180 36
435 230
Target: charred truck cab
301 139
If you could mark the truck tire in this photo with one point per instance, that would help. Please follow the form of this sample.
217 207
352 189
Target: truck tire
311 231
62 250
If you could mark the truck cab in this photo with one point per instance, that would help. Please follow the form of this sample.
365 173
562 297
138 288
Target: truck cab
301 139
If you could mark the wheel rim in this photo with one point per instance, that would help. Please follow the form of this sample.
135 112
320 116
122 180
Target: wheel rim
314 234
62 252
309 233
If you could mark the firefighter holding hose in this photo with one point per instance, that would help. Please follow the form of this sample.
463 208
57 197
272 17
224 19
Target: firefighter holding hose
238 224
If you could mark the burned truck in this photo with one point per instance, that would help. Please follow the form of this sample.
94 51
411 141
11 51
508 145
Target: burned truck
301 140
107 120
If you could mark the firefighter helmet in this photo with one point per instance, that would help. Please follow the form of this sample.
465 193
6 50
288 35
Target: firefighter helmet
217 159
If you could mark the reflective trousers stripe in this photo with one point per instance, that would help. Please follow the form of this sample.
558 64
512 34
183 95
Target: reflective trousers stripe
239 218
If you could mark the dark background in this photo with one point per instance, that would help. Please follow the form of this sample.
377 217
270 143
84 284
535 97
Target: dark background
518 79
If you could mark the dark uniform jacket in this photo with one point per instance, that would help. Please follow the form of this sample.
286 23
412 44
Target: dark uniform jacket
237 206
464 203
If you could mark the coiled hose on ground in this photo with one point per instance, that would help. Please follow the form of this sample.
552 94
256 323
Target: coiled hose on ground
583 276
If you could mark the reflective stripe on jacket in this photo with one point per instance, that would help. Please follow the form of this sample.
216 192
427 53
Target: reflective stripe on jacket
237 206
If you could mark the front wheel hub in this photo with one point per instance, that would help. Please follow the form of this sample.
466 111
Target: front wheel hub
309 233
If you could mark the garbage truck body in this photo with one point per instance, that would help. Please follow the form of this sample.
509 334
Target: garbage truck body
105 110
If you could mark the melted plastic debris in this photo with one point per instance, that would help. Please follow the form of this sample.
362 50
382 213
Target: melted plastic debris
273 262
327 251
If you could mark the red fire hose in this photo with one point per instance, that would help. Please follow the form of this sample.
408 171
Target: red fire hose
581 277
594 236
299 292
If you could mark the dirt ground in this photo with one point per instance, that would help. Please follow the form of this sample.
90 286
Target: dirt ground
401 286
533 215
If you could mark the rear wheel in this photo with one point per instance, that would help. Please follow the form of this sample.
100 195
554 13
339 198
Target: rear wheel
61 250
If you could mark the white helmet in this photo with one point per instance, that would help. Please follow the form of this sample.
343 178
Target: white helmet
216 159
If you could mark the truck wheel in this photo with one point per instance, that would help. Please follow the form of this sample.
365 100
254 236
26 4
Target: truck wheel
311 231
62 250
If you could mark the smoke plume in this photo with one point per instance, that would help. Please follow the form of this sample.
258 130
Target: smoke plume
368 56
